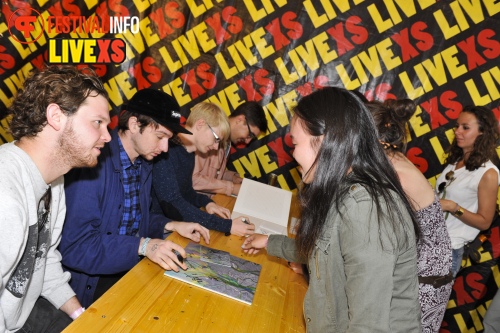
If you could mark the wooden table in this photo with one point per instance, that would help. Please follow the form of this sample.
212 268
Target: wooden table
145 300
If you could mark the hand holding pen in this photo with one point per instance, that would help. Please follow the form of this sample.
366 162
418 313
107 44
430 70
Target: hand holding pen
162 252
242 227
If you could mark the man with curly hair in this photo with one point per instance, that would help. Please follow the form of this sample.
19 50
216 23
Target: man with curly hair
59 121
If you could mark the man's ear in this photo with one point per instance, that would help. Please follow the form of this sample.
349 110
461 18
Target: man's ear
200 123
133 125
240 119
55 117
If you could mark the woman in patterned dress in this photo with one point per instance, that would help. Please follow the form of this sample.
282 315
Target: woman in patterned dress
434 246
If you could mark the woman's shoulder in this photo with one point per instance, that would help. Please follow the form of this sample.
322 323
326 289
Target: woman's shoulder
416 187
357 201
359 215
356 196
488 170
490 165
491 174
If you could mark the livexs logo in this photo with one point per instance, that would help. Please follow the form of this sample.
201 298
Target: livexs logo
28 25
87 51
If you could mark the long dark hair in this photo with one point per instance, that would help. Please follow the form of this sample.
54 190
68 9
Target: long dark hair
485 145
390 119
349 142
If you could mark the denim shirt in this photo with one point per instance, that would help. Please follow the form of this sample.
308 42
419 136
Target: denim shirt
359 281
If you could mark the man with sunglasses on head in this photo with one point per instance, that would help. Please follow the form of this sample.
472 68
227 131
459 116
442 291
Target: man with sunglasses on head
59 120
210 175
173 193
109 227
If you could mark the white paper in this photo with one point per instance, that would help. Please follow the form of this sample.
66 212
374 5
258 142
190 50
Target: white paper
266 206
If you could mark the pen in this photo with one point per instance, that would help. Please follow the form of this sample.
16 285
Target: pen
179 257
244 220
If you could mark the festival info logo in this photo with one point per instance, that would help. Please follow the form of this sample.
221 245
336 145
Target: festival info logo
26 26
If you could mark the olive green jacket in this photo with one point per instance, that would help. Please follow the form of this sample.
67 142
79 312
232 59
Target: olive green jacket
359 281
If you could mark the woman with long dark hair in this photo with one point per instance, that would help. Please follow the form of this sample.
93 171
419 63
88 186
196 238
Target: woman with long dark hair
434 246
468 185
357 231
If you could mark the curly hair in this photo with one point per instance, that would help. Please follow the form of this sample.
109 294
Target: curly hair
484 146
390 118
65 86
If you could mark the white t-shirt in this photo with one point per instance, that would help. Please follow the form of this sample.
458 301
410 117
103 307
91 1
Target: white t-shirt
30 264
462 190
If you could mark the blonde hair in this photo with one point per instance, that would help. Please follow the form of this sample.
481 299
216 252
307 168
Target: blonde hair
213 115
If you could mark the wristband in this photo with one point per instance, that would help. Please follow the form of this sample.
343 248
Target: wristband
144 245
77 313
459 212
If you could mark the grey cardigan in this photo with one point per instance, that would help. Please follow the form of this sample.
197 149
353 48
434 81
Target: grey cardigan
359 281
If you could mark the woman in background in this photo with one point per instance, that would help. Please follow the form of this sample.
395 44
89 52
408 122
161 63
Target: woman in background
434 246
468 185
357 229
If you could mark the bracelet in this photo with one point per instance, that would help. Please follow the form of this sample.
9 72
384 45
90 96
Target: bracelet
459 212
77 313
143 248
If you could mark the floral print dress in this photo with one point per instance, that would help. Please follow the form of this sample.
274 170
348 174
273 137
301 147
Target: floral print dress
434 259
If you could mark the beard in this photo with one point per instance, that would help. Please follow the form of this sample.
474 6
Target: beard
72 152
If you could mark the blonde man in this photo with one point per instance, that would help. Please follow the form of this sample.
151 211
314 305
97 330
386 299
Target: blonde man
173 193
210 175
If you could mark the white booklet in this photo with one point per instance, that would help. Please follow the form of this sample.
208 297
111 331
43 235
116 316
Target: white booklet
266 206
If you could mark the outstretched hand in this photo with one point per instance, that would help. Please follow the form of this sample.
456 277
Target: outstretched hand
254 243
